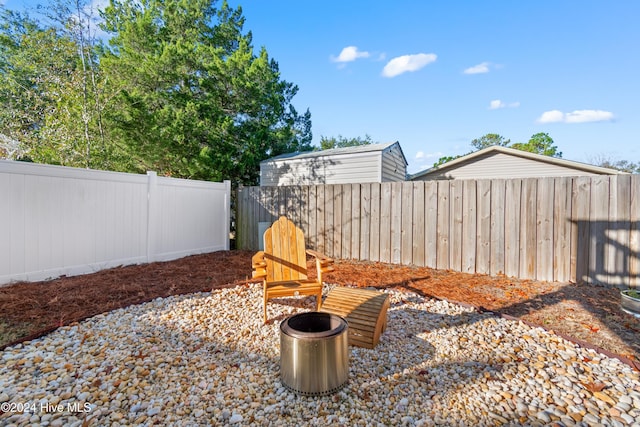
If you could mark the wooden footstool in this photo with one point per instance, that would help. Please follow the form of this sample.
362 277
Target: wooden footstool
365 311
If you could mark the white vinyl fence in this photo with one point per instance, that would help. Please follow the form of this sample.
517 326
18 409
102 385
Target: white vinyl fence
65 221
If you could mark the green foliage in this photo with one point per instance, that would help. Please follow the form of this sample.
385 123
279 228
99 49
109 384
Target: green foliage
445 159
489 140
539 143
29 87
179 89
341 142
621 165
49 82
194 100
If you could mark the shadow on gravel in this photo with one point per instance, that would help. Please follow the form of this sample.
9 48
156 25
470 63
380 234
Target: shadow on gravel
601 301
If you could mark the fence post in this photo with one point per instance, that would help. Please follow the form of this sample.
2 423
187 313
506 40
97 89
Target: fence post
227 213
152 215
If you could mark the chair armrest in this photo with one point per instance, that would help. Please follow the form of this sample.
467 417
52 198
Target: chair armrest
324 264
259 266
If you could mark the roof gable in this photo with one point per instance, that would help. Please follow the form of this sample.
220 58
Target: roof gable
481 154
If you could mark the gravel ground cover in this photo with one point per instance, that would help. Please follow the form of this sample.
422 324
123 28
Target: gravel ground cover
207 359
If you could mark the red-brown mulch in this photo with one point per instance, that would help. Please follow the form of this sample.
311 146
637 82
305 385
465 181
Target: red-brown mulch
587 313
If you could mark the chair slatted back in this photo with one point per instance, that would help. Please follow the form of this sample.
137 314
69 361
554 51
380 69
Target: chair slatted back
285 252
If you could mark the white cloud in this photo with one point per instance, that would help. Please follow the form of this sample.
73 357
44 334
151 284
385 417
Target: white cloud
421 155
577 116
553 116
349 54
584 116
497 104
407 63
422 161
478 69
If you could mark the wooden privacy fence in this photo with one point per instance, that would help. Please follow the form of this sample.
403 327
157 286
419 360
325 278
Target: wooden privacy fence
578 229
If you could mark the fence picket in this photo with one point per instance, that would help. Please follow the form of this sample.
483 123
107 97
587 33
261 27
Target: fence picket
469 224
544 229
385 222
634 233
498 194
356 214
418 224
562 230
431 223
444 214
374 236
365 221
455 227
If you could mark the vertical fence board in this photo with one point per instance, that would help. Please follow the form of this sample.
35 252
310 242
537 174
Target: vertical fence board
469 224
365 221
634 233
291 194
406 232
611 234
431 223
262 213
396 222
619 230
253 208
345 229
600 217
241 217
320 218
385 222
562 230
498 194
356 215
528 229
444 215
455 227
512 218
580 229
374 230
483 232
303 207
544 229
313 218
327 220
281 195
336 225
417 240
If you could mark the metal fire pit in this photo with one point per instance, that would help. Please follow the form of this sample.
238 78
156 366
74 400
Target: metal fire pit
314 353
630 304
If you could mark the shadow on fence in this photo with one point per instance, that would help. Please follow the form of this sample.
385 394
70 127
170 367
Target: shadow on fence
608 252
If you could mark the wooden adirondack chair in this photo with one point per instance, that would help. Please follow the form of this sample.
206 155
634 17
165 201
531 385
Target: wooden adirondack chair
282 265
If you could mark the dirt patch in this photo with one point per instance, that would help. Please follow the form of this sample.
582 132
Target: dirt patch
585 312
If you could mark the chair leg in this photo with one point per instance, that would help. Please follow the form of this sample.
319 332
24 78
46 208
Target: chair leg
264 305
319 300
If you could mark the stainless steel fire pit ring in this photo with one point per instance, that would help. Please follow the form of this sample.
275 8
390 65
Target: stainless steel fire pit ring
314 353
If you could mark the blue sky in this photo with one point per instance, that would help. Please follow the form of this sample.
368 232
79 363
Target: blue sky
434 75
